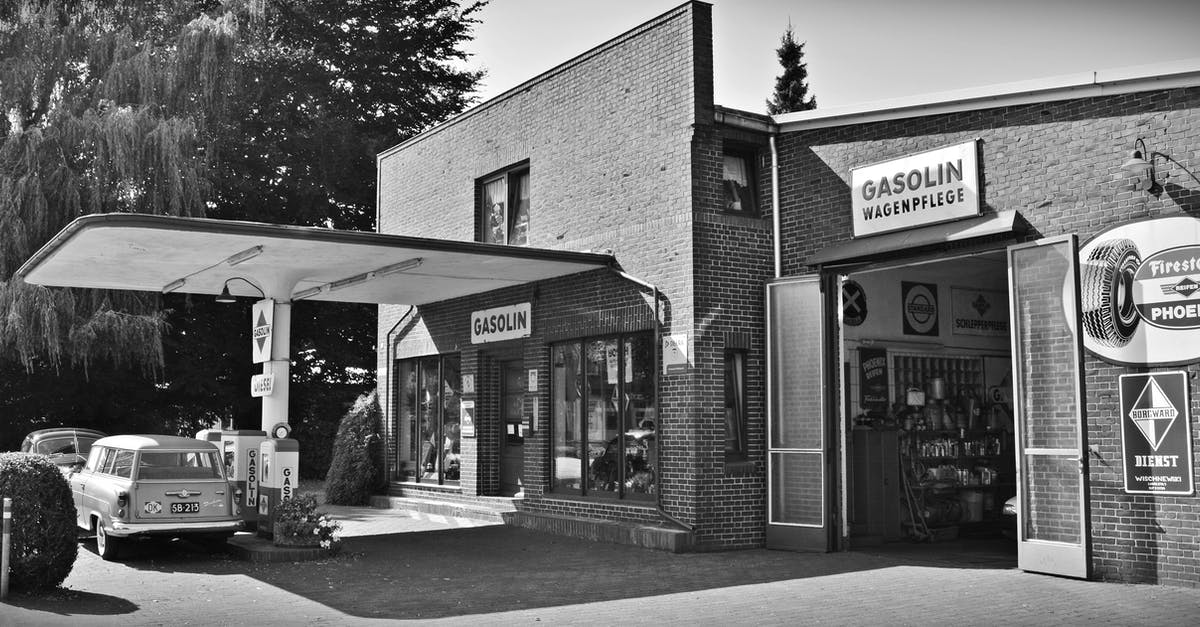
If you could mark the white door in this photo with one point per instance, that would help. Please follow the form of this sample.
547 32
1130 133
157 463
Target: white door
1052 525
798 494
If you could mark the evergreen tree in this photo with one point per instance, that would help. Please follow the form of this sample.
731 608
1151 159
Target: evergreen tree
791 88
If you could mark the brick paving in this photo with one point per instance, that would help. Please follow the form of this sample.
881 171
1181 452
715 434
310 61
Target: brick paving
436 569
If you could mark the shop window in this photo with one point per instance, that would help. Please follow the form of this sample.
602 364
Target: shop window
429 393
605 417
504 208
738 182
735 406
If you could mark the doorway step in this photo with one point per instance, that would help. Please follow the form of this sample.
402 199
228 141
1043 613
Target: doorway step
482 508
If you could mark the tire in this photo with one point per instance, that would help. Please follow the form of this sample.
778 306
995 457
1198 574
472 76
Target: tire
109 547
1110 316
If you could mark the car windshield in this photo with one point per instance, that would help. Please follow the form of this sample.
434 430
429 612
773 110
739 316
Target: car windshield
55 446
179 465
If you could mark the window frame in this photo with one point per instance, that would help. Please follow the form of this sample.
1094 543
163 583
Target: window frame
749 157
622 390
416 473
740 433
511 178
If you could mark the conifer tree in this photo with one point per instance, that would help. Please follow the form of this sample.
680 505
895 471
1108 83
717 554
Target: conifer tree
791 87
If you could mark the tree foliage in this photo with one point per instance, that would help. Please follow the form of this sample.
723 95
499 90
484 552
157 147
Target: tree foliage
262 110
43 521
356 471
791 87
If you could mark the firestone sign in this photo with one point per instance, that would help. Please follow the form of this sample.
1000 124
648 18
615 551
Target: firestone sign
1139 292
1156 433
925 188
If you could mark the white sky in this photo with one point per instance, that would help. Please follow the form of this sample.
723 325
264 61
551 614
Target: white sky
857 50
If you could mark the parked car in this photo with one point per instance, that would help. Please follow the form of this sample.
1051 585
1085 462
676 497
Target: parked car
67 447
137 486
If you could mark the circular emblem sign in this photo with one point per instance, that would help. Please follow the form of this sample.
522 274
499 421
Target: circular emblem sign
854 304
920 308
1139 292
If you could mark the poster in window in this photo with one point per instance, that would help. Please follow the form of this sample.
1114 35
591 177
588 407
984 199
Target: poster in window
920 305
873 379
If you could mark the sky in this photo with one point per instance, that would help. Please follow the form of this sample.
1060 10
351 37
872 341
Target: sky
857 51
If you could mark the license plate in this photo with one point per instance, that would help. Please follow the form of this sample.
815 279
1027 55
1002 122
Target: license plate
185 508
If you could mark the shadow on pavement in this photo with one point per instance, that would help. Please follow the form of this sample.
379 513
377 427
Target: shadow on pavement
67 603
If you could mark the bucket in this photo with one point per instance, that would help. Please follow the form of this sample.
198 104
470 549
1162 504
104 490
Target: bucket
972 502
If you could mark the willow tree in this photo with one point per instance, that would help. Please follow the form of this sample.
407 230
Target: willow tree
106 104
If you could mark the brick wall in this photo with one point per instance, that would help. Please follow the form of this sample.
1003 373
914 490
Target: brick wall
623 155
1058 164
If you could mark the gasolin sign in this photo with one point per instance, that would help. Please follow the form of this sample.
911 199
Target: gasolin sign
1139 292
916 190
260 330
1156 433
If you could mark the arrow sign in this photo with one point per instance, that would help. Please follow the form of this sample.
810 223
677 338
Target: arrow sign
260 330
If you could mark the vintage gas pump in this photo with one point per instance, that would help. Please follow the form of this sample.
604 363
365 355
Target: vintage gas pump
279 460
242 467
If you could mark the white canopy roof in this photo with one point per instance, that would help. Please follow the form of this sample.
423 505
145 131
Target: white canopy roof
199 256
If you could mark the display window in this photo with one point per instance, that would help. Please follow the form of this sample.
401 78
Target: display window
427 419
604 414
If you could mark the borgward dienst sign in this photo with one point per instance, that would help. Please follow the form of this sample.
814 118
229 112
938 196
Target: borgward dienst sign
1156 433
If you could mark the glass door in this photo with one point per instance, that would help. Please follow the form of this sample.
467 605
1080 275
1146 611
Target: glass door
1052 524
797 461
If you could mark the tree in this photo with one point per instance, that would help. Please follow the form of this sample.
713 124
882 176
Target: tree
246 109
791 89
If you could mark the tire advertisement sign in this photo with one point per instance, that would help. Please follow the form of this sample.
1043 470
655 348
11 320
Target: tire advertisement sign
873 379
1139 292
1156 433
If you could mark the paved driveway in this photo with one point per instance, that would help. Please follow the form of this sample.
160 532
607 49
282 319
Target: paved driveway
431 569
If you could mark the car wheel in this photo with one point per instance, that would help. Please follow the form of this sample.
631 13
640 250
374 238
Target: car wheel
107 546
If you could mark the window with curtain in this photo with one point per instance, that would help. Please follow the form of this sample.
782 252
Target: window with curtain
605 417
735 406
504 210
738 182
427 419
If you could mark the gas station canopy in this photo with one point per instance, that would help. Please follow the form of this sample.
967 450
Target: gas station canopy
202 256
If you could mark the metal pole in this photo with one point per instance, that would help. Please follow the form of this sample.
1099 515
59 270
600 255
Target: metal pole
4 549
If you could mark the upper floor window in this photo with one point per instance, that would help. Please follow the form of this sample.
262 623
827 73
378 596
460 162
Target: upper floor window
738 183
504 218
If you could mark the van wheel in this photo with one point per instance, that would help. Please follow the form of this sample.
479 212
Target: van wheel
107 546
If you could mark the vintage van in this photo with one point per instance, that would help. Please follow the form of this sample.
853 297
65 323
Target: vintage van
135 486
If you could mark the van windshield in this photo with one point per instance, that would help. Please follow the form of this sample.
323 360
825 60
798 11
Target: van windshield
179 465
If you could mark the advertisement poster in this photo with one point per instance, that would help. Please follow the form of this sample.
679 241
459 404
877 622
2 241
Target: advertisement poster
466 419
1139 292
1156 434
920 308
916 190
873 379
979 312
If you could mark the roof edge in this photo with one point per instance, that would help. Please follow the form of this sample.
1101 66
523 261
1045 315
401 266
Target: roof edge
1170 75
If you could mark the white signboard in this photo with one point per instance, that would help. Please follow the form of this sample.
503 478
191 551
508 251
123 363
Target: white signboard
466 419
501 323
262 385
917 190
1139 292
675 353
261 317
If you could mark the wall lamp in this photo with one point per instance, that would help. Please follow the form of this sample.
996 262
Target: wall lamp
1139 167
226 297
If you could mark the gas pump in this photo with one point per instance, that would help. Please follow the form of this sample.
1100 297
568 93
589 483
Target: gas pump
241 465
280 466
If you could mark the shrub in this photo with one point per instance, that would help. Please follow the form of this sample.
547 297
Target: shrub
297 523
43 543
356 471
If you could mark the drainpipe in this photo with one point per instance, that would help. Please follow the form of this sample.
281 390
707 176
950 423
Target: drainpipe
775 206
657 395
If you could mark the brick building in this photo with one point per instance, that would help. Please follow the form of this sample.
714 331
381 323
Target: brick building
806 338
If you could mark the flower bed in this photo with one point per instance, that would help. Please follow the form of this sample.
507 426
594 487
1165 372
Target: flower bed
297 524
